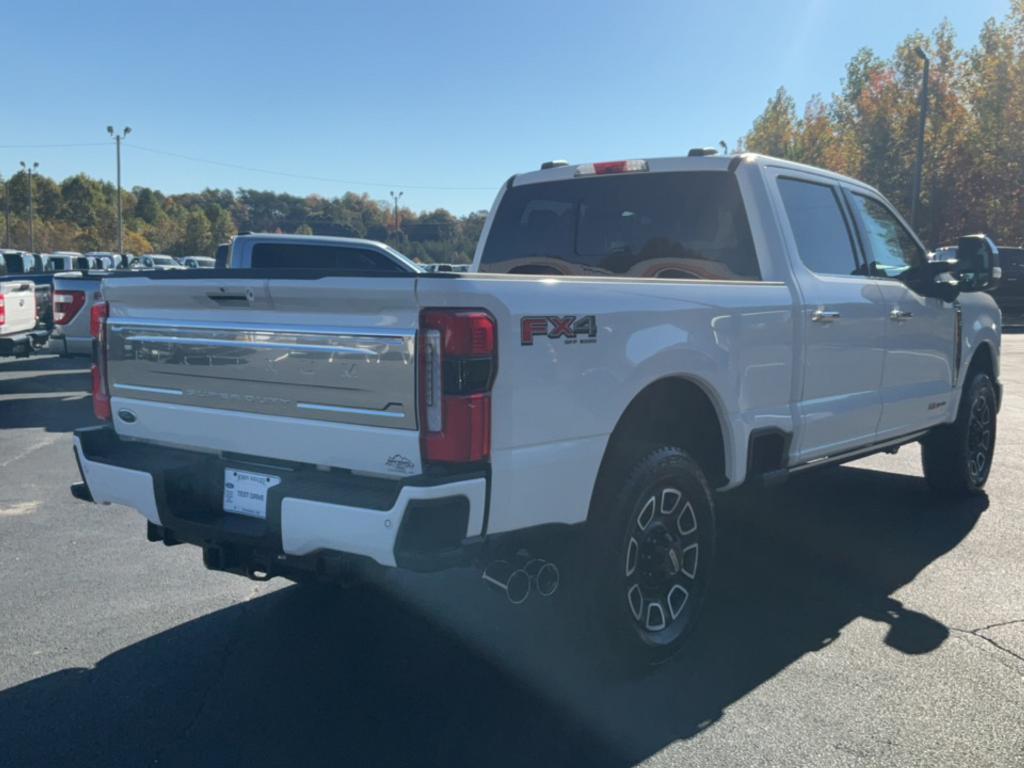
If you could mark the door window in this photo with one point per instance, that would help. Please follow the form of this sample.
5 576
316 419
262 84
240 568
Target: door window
822 237
891 249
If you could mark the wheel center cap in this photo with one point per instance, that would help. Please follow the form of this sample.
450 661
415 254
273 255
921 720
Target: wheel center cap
658 559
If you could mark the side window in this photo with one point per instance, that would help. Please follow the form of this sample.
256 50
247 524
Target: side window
891 248
819 228
296 256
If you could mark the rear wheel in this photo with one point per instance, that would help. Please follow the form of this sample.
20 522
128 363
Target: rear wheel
649 556
957 457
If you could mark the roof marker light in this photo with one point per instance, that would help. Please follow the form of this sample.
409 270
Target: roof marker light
615 166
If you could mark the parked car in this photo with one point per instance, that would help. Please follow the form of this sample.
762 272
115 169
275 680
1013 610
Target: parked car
63 261
264 251
18 317
103 259
674 327
156 261
1009 294
30 266
198 262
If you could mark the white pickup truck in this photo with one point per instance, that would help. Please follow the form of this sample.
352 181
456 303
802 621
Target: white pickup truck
18 315
634 337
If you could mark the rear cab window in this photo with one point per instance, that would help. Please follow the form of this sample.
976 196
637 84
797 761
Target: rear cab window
330 257
681 224
823 238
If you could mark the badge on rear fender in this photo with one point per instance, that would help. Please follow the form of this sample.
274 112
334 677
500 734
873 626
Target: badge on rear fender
573 328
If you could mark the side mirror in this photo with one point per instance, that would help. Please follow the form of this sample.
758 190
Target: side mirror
977 266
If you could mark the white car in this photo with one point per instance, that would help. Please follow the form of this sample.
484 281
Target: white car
103 259
157 261
636 336
197 262
64 261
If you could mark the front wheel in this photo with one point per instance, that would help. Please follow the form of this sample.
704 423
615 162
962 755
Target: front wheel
957 458
649 556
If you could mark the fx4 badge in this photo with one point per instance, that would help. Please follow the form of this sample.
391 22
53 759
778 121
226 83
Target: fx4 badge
574 329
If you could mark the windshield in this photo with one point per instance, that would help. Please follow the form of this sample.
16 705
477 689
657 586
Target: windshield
688 225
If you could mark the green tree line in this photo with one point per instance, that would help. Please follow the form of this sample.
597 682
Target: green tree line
973 169
80 214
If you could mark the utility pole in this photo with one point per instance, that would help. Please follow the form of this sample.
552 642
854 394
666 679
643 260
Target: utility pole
916 193
31 238
120 218
7 214
396 198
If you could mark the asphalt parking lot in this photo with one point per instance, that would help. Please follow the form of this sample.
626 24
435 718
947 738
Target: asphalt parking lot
857 620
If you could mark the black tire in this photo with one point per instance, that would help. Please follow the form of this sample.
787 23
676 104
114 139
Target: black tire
957 458
648 557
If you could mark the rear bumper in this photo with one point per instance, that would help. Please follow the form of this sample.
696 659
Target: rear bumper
22 344
313 517
69 345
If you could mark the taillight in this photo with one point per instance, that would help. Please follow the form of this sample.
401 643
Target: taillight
458 360
100 389
3 310
66 304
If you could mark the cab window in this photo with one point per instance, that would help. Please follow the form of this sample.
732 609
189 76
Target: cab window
891 249
822 237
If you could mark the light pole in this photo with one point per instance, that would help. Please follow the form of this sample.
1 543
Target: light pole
7 214
725 147
396 198
916 193
31 238
120 220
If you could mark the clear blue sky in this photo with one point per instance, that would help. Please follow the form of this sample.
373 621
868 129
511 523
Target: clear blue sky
411 95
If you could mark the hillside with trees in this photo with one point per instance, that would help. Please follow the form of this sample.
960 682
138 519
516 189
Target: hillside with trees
80 214
973 170
973 176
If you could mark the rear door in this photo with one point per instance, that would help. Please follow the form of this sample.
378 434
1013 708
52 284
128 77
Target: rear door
841 319
917 378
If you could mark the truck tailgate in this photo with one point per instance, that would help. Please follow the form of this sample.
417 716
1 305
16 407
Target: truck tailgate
320 371
19 306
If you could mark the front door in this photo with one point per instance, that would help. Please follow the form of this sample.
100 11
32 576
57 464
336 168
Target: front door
842 320
917 379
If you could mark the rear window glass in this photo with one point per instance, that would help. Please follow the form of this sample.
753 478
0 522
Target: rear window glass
688 225
300 256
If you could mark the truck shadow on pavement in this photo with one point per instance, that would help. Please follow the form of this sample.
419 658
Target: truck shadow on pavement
305 677
48 392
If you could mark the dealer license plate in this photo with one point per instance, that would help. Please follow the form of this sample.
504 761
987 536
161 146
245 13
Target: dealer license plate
245 493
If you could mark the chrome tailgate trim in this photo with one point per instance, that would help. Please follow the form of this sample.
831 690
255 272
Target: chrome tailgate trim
345 375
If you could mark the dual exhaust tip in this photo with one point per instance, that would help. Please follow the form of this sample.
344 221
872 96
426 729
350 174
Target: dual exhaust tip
519 579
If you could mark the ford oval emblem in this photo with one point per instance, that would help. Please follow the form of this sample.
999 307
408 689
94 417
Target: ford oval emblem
128 417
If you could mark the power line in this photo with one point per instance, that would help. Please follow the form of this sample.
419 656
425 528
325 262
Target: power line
329 179
51 146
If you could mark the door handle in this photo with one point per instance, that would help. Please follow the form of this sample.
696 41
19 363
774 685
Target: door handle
822 315
899 316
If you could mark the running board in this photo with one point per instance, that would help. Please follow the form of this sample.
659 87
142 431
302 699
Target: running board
779 476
